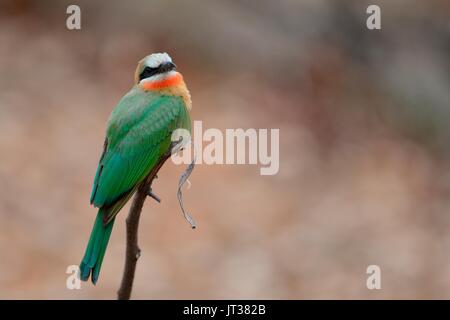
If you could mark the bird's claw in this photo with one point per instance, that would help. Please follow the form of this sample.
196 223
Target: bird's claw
152 195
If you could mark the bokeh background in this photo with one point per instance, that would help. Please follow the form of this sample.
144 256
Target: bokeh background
364 148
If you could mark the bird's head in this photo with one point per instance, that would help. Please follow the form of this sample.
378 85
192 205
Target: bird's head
156 71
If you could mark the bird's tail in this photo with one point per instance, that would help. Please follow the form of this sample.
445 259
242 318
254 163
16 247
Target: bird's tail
96 248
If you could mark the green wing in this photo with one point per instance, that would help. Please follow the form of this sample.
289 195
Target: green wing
138 134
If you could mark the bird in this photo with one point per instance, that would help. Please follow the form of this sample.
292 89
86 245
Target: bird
138 136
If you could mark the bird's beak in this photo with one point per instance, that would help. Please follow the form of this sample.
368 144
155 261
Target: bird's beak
168 66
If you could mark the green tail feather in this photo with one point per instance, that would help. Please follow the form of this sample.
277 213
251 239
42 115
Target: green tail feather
96 248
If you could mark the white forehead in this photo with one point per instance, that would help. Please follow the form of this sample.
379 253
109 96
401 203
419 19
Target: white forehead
156 59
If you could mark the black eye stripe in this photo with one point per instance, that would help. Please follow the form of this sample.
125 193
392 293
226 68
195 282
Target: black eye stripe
148 72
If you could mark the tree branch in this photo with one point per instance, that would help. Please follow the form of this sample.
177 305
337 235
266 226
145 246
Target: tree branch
133 251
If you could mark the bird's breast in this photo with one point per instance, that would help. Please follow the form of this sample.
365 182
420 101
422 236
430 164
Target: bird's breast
172 85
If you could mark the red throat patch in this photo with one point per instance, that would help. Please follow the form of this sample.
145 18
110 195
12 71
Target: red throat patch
171 81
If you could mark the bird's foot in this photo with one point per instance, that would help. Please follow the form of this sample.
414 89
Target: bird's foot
152 195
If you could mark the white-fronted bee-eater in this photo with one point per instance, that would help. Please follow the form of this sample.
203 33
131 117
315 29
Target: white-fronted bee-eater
138 135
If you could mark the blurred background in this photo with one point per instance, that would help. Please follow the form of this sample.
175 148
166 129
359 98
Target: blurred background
364 148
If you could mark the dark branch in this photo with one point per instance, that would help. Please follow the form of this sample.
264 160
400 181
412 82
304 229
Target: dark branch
132 249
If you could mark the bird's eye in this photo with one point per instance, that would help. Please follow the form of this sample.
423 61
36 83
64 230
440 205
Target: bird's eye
148 72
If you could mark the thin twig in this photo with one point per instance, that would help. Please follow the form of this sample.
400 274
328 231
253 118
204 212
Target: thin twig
184 177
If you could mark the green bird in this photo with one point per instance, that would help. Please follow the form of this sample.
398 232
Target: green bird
138 136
